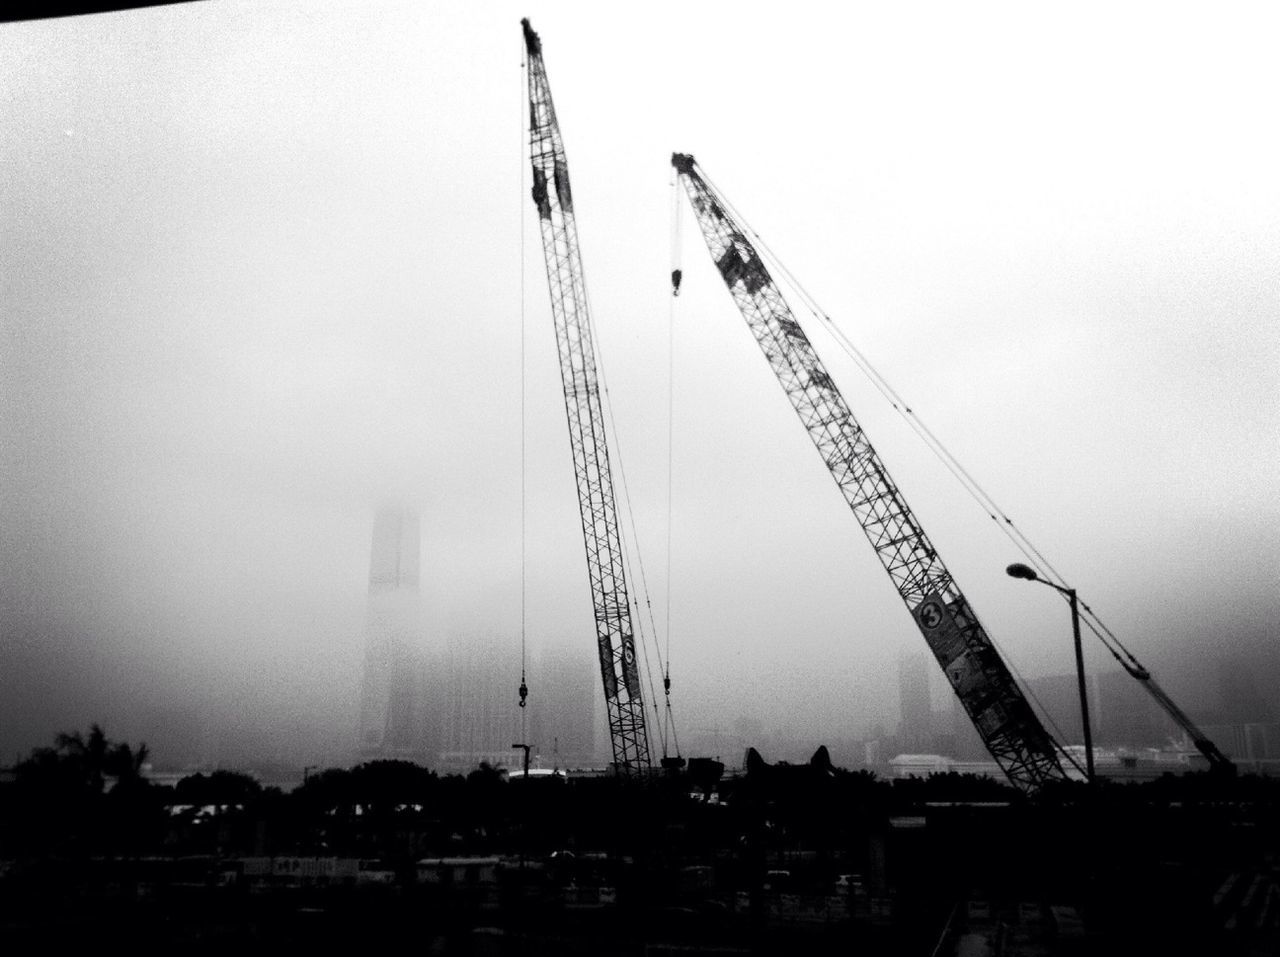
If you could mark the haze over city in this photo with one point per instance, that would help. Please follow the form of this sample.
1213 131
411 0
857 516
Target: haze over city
272 266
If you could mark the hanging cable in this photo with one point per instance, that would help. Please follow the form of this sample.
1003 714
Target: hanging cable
639 563
524 687
612 427
962 475
587 425
606 402
926 435
677 265
677 272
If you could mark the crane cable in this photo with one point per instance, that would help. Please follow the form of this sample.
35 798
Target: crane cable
612 436
677 274
962 475
524 687
639 629
611 430
926 435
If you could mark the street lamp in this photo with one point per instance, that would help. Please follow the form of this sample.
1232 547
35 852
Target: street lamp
1018 570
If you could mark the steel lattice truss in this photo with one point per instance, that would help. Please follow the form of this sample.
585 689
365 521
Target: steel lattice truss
1004 719
596 504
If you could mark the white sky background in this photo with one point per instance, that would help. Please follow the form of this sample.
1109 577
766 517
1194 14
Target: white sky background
262 270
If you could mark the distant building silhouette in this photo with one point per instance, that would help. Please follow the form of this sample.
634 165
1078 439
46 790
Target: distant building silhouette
967 743
915 728
1242 701
1059 697
393 563
562 690
1248 742
455 706
479 715
1243 725
395 695
1125 715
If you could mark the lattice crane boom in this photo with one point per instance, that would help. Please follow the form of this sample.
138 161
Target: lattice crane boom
1003 717
580 378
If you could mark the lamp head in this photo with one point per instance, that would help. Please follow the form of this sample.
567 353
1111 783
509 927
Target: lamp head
1019 570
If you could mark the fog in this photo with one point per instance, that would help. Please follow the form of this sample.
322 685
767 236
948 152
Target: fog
268 265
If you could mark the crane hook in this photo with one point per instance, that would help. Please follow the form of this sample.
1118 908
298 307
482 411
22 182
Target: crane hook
676 276
524 693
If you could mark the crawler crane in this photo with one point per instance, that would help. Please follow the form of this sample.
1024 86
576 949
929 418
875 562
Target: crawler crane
1008 726
615 638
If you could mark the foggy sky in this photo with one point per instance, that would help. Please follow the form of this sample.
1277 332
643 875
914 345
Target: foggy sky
265 267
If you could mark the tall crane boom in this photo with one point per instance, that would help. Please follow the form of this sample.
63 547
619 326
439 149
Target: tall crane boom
1012 732
615 640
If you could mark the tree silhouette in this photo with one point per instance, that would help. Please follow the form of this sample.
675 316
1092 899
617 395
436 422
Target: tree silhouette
221 789
86 793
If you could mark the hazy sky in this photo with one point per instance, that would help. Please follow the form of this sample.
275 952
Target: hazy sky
265 265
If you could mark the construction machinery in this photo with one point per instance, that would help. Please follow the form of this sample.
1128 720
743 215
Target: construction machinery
1218 762
1003 717
587 427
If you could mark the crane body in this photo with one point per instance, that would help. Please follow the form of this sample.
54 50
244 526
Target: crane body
981 680
615 638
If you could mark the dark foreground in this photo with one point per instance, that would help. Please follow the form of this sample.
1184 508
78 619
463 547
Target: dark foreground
782 860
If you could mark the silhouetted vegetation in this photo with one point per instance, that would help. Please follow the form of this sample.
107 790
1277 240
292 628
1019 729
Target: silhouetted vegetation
81 815
86 794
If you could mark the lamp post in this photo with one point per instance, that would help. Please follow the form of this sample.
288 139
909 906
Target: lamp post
1018 570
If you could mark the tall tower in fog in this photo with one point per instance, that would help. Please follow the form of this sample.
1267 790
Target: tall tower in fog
394 700
562 705
915 728
478 716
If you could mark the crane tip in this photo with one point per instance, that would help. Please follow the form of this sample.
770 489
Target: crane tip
531 41
683 162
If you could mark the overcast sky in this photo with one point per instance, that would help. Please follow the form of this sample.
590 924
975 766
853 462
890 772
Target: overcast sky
265 266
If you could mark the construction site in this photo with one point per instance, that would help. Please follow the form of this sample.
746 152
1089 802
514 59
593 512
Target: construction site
1020 825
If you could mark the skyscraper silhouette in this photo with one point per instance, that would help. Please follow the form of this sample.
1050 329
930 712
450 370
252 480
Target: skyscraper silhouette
477 714
394 698
915 728
562 720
